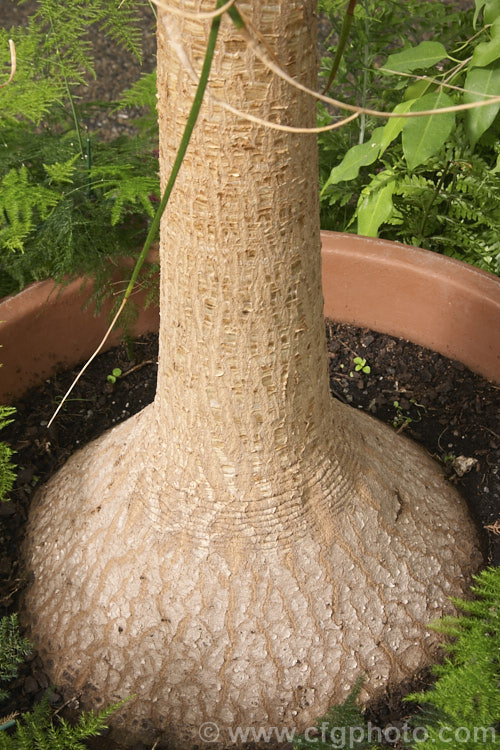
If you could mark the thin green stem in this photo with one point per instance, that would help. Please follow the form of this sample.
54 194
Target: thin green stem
366 62
454 72
155 224
181 152
75 117
344 35
68 92
153 8
471 39
89 166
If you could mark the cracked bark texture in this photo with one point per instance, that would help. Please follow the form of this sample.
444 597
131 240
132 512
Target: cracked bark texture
244 548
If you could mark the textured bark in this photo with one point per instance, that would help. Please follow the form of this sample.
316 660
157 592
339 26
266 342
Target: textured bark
241 550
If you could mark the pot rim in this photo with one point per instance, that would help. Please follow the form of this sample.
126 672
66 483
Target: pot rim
438 302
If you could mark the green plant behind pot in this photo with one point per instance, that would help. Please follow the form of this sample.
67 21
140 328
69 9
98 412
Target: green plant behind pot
69 200
431 182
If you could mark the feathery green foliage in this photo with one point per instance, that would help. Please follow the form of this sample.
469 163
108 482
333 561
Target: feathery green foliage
7 473
70 201
37 729
466 697
428 181
19 201
54 53
339 727
13 650
58 218
462 709
142 94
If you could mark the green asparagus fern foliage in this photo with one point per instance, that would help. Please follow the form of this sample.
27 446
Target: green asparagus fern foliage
466 697
38 730
69 200
462 708
7 473
13 650
54 53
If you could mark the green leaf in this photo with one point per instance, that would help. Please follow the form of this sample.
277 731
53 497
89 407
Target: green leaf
477 11
491 11
417 89
424 136
375 204
496 168
487 52
422 56
394 125
358 156
481 81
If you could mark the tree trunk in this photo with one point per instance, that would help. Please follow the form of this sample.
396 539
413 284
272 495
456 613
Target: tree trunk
241 270
244 548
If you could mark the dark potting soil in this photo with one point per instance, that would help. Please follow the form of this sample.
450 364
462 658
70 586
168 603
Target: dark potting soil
450 411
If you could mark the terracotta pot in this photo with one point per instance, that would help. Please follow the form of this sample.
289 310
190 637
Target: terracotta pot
46 329
434 301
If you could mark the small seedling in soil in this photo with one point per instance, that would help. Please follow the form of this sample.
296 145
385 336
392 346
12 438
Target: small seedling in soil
402 420
115 374
360 366
448 457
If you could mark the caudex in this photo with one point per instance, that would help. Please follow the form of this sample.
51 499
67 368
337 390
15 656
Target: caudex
244 548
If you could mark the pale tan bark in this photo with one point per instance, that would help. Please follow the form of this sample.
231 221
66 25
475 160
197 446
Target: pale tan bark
244 548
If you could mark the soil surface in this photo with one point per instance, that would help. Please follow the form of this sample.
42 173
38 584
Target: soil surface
450 411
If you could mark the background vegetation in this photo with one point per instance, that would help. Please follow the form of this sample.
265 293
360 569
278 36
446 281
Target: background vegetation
431 182
71 199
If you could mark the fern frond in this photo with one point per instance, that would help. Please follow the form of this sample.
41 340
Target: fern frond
54 52
466 692
120 22
20 201
142 95
410 184
32 93
36 730
72 20
125 189
61 172
7 475
5 413
13 647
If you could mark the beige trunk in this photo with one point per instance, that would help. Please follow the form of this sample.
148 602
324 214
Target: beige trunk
243 394
244 548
